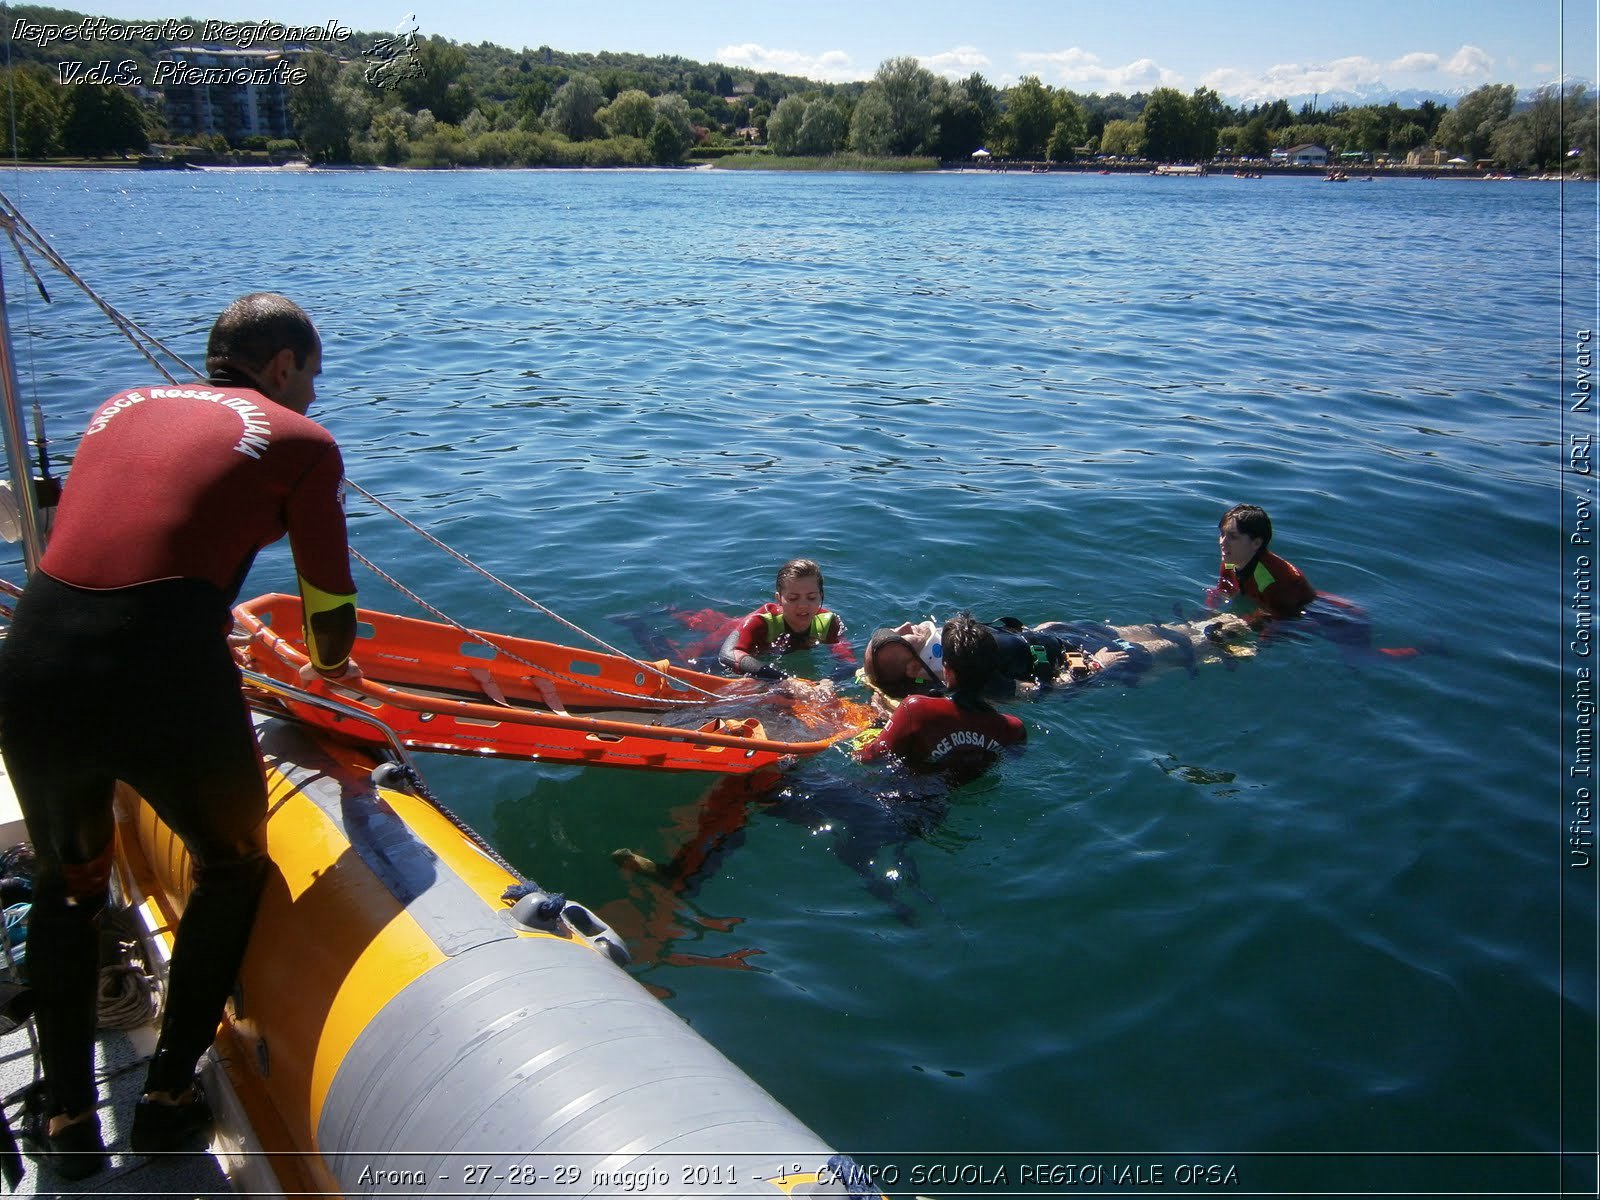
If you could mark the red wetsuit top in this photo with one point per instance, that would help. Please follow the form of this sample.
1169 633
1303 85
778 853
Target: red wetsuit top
1272 582
936 733
765 632
190 482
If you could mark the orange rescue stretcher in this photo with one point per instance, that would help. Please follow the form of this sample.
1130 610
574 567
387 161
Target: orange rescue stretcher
441 689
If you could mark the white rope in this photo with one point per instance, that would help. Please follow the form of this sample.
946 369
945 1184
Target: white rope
126 1000
492 578
126 993
17 228
19 231
586 684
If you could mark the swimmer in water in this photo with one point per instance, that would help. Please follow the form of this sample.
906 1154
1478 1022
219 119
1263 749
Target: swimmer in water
797 620
957 730
1284 600
908 659
1249 569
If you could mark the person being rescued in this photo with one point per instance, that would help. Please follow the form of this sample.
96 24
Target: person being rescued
909 658
957 731
797 621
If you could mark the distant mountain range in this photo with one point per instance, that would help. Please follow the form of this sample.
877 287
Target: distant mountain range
1377 94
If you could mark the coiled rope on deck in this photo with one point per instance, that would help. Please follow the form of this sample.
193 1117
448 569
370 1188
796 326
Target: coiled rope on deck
126 998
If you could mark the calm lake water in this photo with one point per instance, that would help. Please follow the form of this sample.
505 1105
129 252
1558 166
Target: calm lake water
1314 920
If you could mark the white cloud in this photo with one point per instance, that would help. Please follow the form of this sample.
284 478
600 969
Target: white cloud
1082 71
835 66
1231 81
957 63
1469 61
831 66
1342 74
1356 74
1418 61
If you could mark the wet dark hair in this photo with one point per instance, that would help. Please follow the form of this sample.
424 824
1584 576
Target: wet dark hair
971 652
801 568
895 689
1252 522
254 328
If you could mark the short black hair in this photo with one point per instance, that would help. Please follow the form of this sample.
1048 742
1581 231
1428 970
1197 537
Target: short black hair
1252 522
970 651
254 328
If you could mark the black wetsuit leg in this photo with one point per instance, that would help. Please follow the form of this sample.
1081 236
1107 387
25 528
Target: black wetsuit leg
137 685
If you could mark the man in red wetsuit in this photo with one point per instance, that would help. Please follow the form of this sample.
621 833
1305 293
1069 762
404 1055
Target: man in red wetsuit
117 668
1251 570
959 732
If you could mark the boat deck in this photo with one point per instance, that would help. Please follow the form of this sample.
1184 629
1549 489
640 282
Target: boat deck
119 1059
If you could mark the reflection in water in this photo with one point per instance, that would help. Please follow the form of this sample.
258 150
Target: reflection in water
868 820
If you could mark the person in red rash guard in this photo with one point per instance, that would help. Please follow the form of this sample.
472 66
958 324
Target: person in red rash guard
797 621
1251 570
1286 602
117 667
959 733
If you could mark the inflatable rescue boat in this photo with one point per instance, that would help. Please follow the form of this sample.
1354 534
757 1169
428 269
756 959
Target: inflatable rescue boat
413 1018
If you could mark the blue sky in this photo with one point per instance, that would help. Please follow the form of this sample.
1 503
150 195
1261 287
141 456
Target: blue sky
1251 50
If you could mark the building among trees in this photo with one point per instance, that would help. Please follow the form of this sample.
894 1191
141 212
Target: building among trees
253 101
1307 155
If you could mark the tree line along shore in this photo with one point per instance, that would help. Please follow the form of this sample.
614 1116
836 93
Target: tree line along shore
421 101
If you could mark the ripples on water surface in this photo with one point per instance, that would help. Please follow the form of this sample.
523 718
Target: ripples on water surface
1301 905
